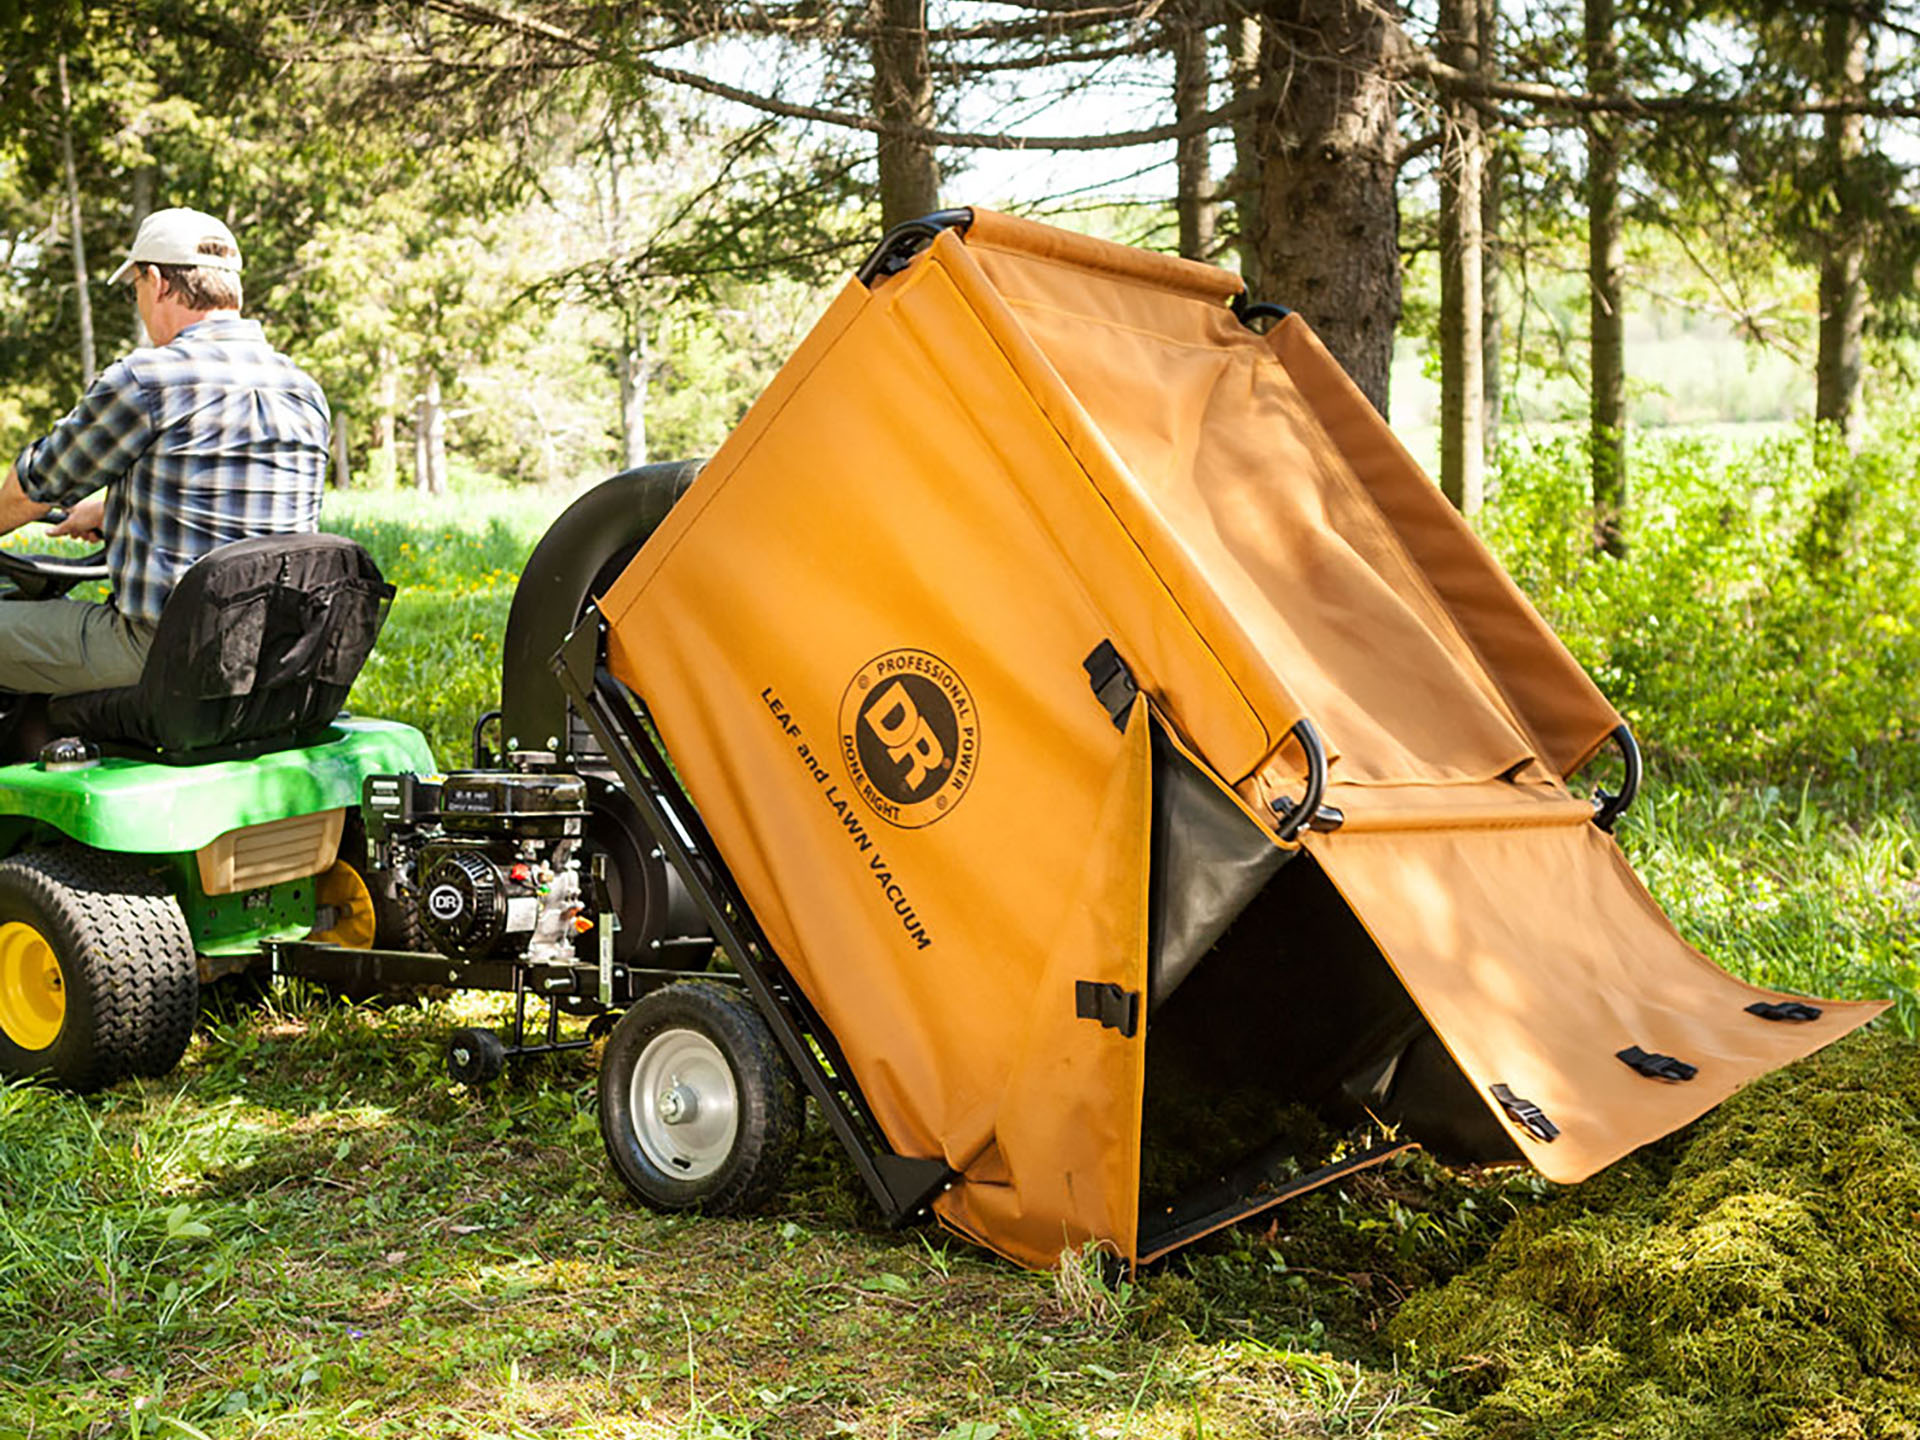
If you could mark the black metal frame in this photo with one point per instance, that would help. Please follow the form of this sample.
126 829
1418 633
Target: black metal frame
1296 819
1247 310
1256 1184
904 241
1612 806
902 1185
578 989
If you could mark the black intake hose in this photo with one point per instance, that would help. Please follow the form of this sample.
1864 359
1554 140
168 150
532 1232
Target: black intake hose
582 553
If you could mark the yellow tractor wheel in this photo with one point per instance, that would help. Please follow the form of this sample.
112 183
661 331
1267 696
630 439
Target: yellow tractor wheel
33 992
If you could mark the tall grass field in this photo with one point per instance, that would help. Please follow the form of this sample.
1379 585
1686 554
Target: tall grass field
308 1231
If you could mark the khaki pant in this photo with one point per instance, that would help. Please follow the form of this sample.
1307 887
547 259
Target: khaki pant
59 647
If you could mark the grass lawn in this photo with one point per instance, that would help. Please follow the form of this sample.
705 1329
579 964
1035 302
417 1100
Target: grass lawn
307 1231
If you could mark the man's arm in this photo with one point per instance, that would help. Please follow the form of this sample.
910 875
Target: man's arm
93 446
15 508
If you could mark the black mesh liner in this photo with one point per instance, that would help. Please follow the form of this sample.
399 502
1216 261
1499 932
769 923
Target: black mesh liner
1291 1029
1209 860
258 645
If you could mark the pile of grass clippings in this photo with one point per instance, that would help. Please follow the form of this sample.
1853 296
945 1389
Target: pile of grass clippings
1757 1274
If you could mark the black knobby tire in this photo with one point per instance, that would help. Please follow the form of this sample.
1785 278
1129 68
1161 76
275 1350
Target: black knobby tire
727 1045
130 977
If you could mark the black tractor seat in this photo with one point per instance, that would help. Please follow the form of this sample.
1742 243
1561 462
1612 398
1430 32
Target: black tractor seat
256 650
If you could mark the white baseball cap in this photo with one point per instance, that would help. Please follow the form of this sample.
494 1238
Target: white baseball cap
175 237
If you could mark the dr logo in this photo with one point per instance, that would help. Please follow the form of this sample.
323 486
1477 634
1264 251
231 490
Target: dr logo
910 737
897 721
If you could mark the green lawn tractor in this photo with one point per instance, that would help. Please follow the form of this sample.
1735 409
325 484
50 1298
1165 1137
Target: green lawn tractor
154 836
223 819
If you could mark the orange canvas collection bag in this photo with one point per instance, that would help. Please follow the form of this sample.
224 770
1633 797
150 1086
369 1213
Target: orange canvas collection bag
1127 752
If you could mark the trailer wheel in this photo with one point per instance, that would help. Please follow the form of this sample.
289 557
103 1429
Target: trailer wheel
698 1107
98 978
476 1056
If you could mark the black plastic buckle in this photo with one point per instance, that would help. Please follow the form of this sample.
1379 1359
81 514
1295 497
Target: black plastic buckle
1657 1067
1113 683
1784 1010
1114 1007
1527 1115
1326 820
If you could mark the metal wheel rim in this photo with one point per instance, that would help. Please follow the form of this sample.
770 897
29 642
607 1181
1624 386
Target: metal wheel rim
354 923
675 1068
33 992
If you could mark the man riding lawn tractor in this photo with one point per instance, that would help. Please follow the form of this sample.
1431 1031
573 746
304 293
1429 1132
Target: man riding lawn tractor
211 680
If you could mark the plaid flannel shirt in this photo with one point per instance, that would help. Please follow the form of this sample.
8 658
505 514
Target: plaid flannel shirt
213 438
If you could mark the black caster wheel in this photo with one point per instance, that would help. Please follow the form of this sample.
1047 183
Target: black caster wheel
475 1056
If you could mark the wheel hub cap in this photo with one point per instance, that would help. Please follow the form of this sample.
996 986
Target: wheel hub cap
33 992
679 1105
343 901
685 1104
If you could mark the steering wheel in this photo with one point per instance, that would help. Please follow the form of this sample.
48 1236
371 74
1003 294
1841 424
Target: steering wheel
47 577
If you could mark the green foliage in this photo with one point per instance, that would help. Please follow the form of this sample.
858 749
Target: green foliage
1764 623
437 665
1757 1275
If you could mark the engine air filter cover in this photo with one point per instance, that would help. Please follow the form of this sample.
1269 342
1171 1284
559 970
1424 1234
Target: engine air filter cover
494 802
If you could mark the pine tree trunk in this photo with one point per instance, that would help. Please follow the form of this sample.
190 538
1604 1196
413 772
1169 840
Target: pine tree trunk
1843 300
385 463
1605 261
1243 73
633 391
430 438
82 296
145 178
342 477
1490 262
1192 88
903 96
1328 239
1463 454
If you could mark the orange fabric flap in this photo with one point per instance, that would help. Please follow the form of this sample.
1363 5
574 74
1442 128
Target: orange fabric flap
1044 242
1559 707
1222 471
1537 956
1492 804
1065 1167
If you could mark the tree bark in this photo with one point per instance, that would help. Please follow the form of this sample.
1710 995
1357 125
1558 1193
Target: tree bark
1243 72
1605 261
430 437
633 390
342 477
385 463
1192 87
1843 300
1463 456
1328 237
1491 181
903 96
83 299
145 179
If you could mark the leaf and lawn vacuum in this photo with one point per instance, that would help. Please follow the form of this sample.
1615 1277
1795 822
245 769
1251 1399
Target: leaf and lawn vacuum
1095 741
1064 734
